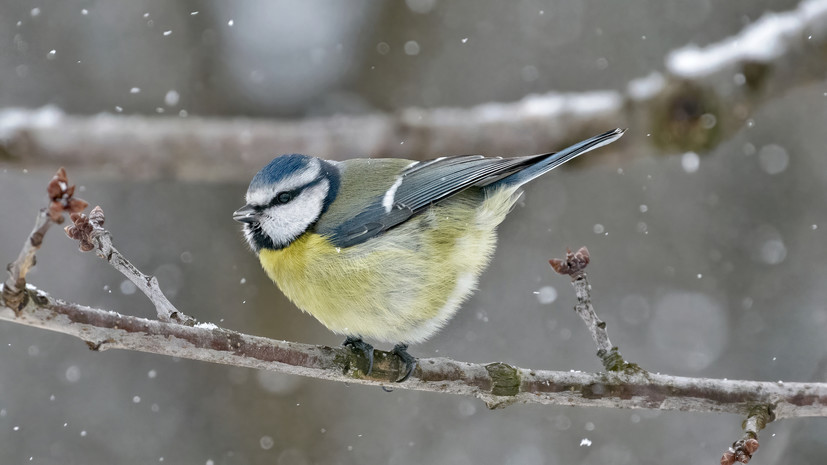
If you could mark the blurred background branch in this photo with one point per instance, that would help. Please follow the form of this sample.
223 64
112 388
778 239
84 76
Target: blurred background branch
702 98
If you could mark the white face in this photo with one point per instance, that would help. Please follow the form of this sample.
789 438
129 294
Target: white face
263 195
284 222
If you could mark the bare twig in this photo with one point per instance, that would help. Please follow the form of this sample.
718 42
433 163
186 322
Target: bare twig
742 449
574 265
703 98
91 235
61 199
18 269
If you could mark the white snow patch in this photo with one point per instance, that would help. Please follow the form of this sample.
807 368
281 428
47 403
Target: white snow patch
764 40
594 102
646 87
206 326
544 106
11 119
585 103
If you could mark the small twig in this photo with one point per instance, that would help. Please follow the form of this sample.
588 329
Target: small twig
61 199
91 235
742 449
574 265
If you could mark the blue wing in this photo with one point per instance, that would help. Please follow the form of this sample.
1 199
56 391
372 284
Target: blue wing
419 186
425 183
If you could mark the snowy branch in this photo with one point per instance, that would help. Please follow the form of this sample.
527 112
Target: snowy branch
703 97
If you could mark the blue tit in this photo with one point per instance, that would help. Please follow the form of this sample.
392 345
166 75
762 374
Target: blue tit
382 248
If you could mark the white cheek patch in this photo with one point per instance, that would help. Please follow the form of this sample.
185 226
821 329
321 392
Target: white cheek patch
284 223
263 195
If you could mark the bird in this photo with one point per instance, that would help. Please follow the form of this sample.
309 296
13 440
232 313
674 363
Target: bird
386 249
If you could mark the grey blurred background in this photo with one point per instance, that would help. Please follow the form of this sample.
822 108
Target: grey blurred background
716 269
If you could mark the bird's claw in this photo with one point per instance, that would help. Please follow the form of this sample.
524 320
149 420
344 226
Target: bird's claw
401 351
357 344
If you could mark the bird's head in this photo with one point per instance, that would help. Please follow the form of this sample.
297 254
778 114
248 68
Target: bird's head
285 199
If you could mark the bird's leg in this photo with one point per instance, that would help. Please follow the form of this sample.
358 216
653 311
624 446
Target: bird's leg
401 351
356 343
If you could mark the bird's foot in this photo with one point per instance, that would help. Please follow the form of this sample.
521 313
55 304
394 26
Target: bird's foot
357 344
401 351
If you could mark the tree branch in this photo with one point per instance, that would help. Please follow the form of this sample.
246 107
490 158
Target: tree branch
497 384
703 98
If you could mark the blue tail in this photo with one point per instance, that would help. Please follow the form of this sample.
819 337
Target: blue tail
553 160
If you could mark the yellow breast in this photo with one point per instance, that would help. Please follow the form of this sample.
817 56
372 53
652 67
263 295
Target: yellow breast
401 286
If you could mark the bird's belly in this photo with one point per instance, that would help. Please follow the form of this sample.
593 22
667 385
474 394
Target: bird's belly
401 286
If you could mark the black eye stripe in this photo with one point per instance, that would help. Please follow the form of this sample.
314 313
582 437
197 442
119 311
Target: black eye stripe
285 196
292 193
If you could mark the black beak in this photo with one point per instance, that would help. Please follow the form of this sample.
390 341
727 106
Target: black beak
246 214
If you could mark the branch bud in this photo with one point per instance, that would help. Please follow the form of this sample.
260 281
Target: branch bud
61 197
574 264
